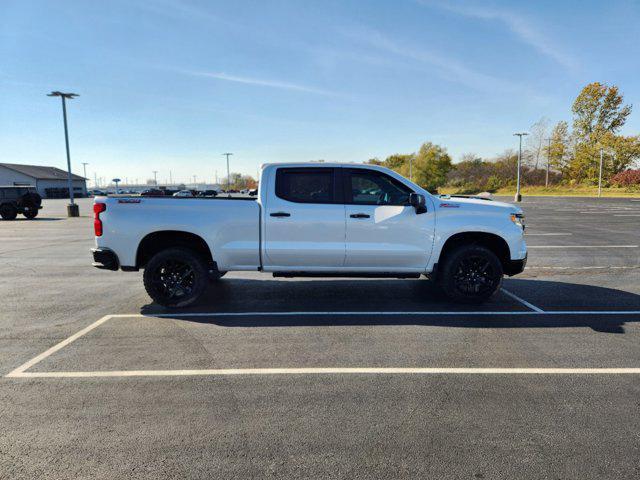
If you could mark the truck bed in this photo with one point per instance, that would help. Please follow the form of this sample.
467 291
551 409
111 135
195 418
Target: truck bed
230 228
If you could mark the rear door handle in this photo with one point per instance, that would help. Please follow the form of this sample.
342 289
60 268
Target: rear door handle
280 214
360 215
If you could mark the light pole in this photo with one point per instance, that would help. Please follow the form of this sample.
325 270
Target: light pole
84 166
546 178
155 177
600 174
228 174
72 208
116 181
411 168
518 197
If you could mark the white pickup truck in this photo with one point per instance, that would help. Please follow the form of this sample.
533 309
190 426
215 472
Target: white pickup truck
312 219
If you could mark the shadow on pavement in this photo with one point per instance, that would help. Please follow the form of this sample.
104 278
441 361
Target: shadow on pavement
278 296
37 219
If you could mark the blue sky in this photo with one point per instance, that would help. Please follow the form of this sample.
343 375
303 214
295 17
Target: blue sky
170 85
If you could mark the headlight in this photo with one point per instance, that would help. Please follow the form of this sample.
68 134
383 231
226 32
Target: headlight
518 219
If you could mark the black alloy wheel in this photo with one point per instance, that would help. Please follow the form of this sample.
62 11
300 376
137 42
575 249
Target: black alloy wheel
471 274
175 277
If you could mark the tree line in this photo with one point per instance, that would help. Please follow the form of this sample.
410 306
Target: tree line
552 155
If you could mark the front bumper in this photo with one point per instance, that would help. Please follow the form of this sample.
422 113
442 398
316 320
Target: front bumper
514 267
105 259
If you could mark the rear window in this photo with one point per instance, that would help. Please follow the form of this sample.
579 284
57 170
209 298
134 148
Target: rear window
306 185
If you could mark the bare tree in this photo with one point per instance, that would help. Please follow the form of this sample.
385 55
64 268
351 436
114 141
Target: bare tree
536 141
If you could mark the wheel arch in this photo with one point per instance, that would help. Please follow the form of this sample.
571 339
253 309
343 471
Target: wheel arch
155 242
495 243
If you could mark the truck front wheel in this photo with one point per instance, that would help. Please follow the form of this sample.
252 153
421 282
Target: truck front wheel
175 277
470 274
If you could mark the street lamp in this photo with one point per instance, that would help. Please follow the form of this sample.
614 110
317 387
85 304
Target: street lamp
72 208
84 166
228 174
546 177
155 177
518 197
116 181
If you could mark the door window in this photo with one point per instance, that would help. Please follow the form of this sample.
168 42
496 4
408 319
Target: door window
368 187
306 185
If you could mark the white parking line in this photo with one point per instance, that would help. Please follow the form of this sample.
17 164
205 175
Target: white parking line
334 371
582 246
522 301
21 372
592 267
548 234
18 371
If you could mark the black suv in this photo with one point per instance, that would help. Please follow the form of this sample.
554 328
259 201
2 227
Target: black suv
15 200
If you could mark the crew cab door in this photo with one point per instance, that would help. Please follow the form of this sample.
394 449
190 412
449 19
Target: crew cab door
384 233
305 220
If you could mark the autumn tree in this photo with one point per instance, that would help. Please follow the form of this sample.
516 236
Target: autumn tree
598 115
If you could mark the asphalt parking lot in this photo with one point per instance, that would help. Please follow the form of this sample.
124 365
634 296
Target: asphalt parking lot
325 378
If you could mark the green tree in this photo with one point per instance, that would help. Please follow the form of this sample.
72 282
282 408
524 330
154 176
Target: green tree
431 164
598 114
598 109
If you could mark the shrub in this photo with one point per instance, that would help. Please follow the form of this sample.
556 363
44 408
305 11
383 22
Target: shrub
627 178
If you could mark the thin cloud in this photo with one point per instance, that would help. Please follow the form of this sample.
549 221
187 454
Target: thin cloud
444 66
264 83
517 24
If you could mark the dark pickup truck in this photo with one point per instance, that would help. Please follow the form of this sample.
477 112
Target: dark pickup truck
15 200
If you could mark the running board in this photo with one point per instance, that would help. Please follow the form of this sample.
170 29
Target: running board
347 274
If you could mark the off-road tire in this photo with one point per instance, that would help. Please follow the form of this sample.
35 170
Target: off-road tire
470 274
31 213
8 212
175 277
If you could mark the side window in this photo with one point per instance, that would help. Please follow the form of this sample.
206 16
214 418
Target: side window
306 185
368 187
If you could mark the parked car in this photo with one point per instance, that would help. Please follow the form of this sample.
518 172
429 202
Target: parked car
97 193
310 220
183 193
152 192
253 192
207 193
19 200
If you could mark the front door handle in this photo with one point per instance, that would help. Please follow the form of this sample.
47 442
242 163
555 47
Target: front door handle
280 214
360 215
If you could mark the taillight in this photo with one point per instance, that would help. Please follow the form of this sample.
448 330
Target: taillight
97 223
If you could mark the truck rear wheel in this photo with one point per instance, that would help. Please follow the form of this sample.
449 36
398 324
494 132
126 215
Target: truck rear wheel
470 274
175 277
8 212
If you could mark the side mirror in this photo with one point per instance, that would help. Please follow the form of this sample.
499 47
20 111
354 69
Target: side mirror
417 201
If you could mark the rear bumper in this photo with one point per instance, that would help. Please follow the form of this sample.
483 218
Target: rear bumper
105 259
514 267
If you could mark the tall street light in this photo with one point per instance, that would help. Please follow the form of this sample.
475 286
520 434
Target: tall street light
518 197
228 174
155 177
84 166
546 177
72 208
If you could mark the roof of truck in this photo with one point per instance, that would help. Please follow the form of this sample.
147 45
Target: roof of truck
323 164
